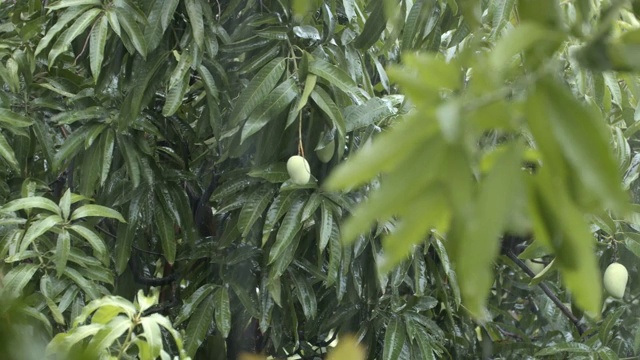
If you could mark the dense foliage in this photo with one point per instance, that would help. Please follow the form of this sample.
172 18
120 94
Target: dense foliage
147 210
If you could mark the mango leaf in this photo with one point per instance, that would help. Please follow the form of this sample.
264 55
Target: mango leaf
325 226
306 296
90 210
369 113
16 279
108 334
94 240
67 16
96 46
561 226
479 244
69 3
274 104
394 339
571 348
254 208
395 193
32 202
199 325
63 247
192 303
165 226
223 311
385 153
309 84
79 26
584 139
151 333
10 119
38 228
273 173
373 27
257 91
123 246
279 207
336 76
196 21
132 29
7 153
288 229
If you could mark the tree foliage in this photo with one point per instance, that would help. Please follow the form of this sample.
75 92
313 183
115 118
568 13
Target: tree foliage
143 149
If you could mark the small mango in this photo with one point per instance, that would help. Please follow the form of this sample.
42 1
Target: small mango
615 279
298 169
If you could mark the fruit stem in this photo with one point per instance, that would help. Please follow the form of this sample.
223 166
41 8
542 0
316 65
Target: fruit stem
300 147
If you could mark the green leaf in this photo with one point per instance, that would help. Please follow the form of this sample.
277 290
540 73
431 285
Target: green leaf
193 302
123 246
257 90
288 229
68 15
571 348
584 139
309 85
385 153
325 226
78 27
65 204
69 3
99 248
63 247
199 325
10 119
71 146
305 295
279 207
96 46
369 113
87 286
561 226
109 334
412 23
254 208
175 96
274 104
95 210
165 226
396 194
132 29
273 173
479 244
7 153
32 202
223 311
38 228
336 76
373 27
500 14
326 104
394 338
151 333
16 279
194 11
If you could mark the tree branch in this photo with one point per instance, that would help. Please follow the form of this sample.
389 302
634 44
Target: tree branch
550 294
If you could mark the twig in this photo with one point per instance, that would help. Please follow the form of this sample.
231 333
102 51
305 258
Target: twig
566 311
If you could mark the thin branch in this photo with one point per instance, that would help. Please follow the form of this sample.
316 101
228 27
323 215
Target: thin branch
550 294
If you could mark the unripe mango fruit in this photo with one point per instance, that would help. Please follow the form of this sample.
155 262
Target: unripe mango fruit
535 266
298 169
615 279
326 153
